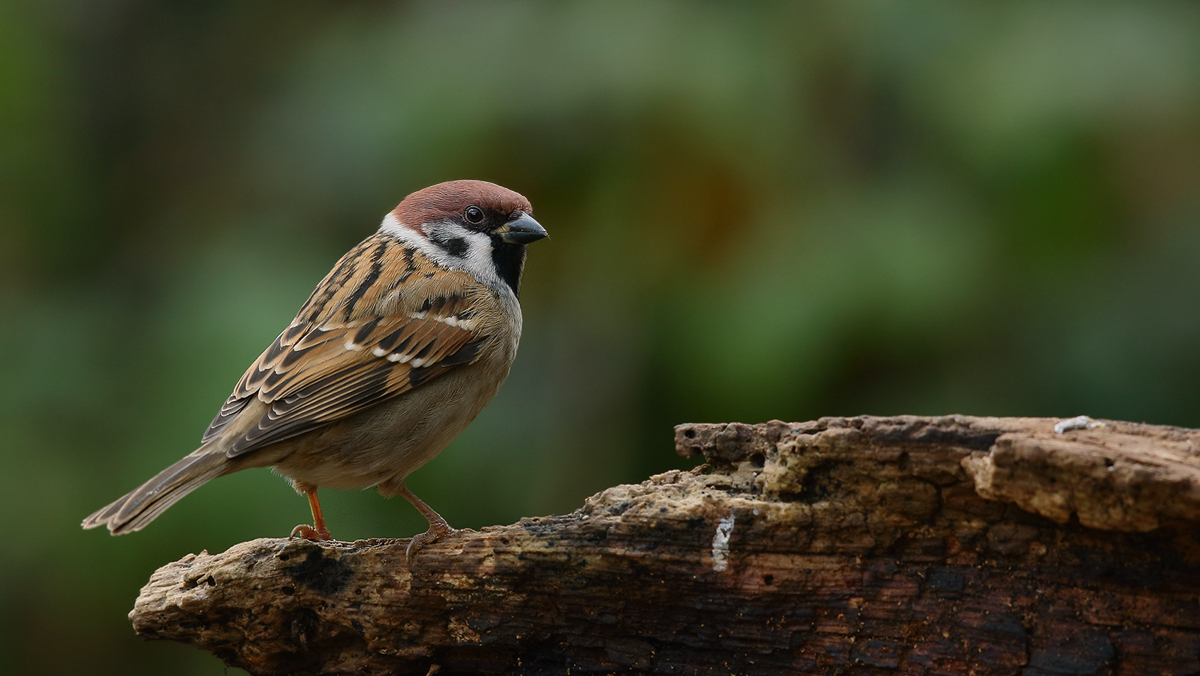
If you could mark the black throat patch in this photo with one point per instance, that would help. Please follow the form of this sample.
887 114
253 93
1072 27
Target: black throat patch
509 259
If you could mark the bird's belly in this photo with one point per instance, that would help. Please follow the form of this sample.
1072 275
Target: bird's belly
389 441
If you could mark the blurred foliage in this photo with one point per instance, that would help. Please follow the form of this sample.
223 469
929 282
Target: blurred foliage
757 210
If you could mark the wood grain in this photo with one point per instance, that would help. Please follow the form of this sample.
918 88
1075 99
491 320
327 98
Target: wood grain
913 545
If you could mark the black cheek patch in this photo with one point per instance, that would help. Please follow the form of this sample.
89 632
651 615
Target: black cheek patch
455 246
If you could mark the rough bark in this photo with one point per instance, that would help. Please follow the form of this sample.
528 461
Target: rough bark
913 545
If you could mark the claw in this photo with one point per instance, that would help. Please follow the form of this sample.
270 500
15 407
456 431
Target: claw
317 531
437 525
310 533
436 530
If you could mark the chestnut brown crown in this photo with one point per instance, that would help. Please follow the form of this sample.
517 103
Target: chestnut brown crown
447 202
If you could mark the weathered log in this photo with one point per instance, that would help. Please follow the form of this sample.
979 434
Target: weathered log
951 545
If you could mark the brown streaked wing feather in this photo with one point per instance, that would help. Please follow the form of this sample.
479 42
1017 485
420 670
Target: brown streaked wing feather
329 381
248 385
229 410
310 378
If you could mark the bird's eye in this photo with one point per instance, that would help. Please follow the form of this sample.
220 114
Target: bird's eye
474 215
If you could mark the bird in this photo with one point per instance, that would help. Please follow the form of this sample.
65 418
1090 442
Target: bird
393 354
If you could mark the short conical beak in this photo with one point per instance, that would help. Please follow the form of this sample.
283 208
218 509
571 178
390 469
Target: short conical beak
521 230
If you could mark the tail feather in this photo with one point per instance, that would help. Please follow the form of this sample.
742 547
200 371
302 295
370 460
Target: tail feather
142 505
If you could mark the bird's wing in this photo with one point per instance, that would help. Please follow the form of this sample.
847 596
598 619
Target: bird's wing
328 365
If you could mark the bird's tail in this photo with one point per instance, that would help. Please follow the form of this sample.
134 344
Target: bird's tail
142 505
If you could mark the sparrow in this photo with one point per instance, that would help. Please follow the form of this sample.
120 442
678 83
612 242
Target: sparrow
397 350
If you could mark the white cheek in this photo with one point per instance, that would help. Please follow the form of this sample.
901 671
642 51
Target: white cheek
476 260
392 226
479 254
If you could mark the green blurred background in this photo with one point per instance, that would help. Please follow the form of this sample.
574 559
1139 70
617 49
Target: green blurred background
757 210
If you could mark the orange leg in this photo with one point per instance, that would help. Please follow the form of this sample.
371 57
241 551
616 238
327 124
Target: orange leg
437 525
317 531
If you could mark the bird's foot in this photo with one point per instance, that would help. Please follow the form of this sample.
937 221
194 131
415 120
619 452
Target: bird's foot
436 530
310 533
317 531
